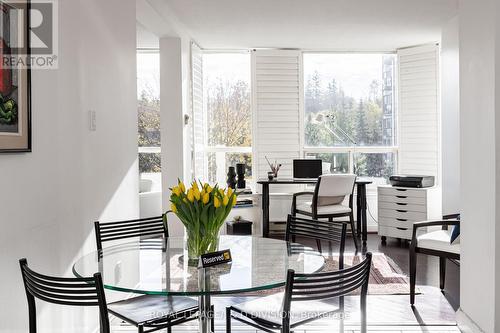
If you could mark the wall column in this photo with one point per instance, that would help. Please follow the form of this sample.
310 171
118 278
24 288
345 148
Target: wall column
172 122
479 163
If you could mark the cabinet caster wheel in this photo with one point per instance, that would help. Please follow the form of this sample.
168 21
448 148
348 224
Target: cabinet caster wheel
383 240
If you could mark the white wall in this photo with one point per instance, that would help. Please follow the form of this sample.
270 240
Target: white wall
450 118
50 197
479 130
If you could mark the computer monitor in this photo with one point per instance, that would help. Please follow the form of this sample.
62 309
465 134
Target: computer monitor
307 168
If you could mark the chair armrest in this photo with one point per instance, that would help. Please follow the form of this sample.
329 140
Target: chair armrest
455 216
302 193
294 199
424 224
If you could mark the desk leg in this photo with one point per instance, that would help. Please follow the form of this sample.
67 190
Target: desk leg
364 205
358 210
265 210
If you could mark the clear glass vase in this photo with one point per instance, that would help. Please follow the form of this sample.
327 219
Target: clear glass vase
198 244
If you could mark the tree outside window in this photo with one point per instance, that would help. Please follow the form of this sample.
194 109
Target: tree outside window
354 94
226 83
148 113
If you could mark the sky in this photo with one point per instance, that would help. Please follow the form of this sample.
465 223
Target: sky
229 67
148 73
354 72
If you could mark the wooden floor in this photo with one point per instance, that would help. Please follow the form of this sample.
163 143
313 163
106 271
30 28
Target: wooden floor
433 311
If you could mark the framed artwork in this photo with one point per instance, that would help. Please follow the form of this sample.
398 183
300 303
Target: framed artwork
15 78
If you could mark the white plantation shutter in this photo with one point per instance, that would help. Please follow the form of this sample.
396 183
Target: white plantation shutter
277 103
419 110
198 121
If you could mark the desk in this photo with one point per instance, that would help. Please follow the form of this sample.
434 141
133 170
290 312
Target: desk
360 201
153 266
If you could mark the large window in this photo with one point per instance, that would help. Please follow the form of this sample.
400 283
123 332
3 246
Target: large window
350 112
148 109
227 107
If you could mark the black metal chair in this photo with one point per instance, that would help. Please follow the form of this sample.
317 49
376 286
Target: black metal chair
276 313
331 231
434 243
154 312
327 198
85 291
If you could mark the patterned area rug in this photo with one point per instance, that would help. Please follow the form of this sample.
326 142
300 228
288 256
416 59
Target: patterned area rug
386 277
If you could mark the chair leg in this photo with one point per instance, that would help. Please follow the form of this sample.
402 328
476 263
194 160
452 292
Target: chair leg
353 231
212 318
32 315
442 272
363 314
318 243
413 275
228 320
330 248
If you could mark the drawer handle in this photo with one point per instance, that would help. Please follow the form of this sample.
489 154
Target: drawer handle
401 228
401 196
401 211
402 220
401 204
401 190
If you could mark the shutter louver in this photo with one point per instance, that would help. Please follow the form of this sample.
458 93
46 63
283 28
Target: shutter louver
199 168
418 110
277 103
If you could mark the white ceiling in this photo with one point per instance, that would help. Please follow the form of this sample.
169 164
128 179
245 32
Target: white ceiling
367 25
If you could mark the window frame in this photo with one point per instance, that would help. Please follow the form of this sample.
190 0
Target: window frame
352 149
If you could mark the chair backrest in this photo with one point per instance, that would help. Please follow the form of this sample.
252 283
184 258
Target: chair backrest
335 185
85 291
110 231
316 229
324 285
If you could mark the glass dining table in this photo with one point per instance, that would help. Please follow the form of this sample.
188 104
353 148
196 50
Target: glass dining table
157 267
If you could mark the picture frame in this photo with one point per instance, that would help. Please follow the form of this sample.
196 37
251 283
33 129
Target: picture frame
15 81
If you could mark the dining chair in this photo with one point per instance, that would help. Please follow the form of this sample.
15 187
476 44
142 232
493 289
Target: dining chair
435 243
331 231
84 291
152 312
307 297
327 201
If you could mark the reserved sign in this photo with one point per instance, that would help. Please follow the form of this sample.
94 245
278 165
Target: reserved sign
215 258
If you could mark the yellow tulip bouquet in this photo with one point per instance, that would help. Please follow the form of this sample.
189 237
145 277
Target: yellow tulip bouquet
202 209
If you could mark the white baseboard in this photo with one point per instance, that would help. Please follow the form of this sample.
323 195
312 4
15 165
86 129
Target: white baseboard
466 324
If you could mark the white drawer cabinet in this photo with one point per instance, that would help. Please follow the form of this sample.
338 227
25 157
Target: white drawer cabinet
400 207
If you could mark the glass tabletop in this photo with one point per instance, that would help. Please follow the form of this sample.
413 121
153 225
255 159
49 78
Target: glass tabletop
155 266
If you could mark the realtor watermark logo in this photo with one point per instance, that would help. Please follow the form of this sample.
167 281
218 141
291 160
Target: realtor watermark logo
28 34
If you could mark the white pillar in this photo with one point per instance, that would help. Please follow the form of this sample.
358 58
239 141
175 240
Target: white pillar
450 118
479 35
172 122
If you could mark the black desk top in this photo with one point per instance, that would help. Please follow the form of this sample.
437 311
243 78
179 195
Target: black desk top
359 181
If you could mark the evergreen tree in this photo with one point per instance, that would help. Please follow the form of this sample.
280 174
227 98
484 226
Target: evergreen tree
313 93
361 124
